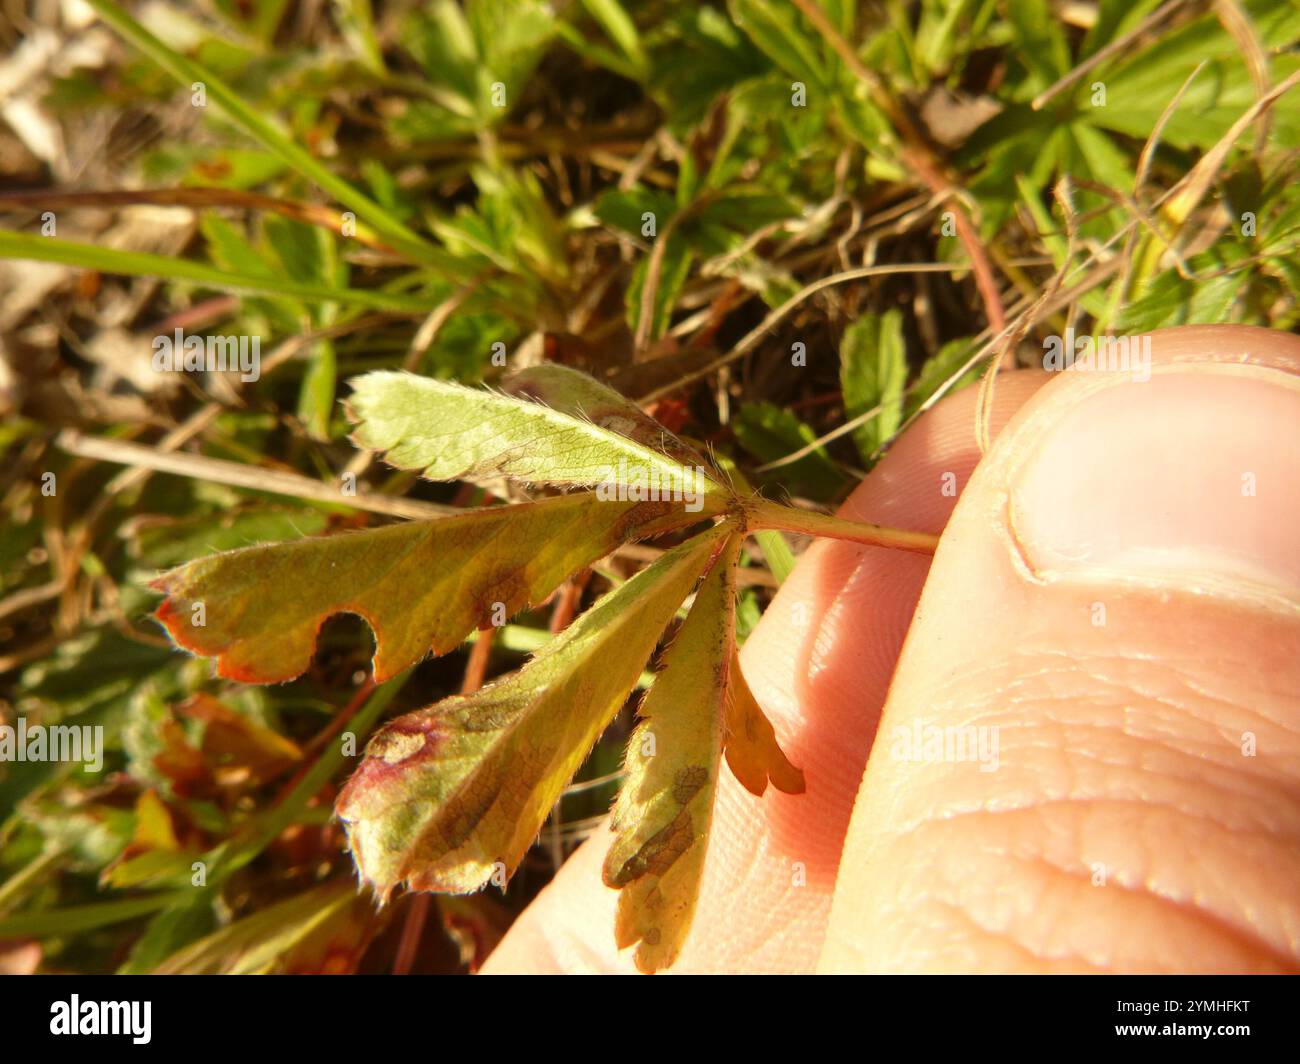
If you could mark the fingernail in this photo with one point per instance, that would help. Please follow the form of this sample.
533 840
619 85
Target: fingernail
1190 479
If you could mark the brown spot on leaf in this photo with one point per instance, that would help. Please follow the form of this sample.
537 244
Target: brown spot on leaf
397 746
477 715
416 733
688 783
658 853
463 813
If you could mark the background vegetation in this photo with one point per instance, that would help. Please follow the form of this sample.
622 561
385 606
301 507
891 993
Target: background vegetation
855 207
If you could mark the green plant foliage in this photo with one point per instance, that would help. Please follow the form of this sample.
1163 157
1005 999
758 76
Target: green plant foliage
533 257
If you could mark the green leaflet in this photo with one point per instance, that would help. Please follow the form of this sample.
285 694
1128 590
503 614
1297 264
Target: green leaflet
699 707
452 432
661 821
453 794
421 586
573 392
873 373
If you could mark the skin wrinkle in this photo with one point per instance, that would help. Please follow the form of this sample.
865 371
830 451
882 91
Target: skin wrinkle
1092 809
1008 677
1178 714
1248 937
843 622
1185 907
1097 684
1000 940
1070 705
994 941
1183 712
1142 769
1189 758
1186 820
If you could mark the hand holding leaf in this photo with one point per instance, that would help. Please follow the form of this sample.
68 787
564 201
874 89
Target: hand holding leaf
450 795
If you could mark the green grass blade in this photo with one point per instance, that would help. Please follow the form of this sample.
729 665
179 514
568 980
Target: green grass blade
776 550
187 72
142 264
86 917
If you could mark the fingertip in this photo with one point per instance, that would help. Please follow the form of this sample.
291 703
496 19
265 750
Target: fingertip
1093 611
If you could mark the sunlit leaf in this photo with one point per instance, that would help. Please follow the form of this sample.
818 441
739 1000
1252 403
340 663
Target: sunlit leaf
261 127
240 750
936 370
770 432
421 586
454 793
154 856
572 392
452 432
675 268
145 264
1140 88
753 754
780 32
323 931
873 374
1040 39
661 820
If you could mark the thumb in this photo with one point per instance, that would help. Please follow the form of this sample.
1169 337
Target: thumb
1089 758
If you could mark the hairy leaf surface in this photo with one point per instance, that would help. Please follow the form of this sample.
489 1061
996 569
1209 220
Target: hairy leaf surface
420 586
453 793
573 392
451 432
661 820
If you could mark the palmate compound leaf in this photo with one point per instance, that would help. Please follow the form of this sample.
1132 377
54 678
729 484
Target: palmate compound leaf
453 793
421 586
699 706
451 432
425 586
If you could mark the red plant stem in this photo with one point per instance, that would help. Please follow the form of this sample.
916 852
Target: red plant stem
359 698
919 156
476 666
566 603
764 515
408 945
